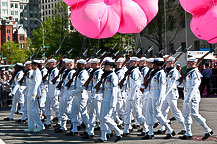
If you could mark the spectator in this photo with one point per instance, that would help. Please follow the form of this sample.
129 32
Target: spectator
207 74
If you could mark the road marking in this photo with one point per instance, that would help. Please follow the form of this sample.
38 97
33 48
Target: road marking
2 142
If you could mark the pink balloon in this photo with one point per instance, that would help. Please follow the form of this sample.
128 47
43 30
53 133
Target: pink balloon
104 18
204 21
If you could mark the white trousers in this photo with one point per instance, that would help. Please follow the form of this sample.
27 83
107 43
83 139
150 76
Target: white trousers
33 113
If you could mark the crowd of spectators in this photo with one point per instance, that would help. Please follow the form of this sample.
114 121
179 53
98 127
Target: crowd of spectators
5 77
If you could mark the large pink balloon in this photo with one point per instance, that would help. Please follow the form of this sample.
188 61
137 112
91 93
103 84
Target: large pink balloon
204 21
104 18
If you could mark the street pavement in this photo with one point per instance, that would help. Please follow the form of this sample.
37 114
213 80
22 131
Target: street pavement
11 132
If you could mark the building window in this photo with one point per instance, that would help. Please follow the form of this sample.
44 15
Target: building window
4 11
12 12
21 6
183 45
8 31
16 5
16 12
12 5
4 3
21 37
171 47
197 45
16 19
8 38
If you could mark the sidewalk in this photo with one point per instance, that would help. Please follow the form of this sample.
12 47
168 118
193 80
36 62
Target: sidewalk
11 132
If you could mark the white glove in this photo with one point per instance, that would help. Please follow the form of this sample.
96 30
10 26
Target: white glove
32 98
10 94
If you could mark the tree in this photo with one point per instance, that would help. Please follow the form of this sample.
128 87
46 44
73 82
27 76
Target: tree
57 34
170 17
13 53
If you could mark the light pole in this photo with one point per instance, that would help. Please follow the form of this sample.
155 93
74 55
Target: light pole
42 26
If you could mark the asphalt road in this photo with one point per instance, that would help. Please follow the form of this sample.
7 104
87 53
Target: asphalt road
11 132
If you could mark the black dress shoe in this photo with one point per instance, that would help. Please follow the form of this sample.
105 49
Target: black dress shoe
184 137
169 136
57 126
126 134
8 119
118 138
160 132
182 132
48 126
140 130
88 137
120 126
156 124
20 121
148 137
84 133
83 125
142 134
55 119
172 119
101 141
97 128
207 135
72 133
58 130
136 126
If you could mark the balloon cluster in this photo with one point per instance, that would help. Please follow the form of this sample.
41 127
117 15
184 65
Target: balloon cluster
204 21
104 18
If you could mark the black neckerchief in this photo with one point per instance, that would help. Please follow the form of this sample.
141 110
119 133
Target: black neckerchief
154 72
117 69
141 67
50 69
188 70
169 69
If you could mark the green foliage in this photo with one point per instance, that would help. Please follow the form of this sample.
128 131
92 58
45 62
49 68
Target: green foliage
58 35
13 53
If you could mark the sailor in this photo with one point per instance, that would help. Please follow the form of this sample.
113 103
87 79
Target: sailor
43 88
17 91
80 97
53 93
157 94
134 95
144 69
109 102
172 95
192 99
25 83
121 100
34 121
96 97
65 105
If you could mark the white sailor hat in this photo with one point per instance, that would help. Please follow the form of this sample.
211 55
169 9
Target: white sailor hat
165 56
82 61
151 60
192 59
36 61
121 59
171 59
158 60
19 64
95 60
69 61
51 60
41 61
106 58
28 62
65 59
134 59
142 59
110 61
